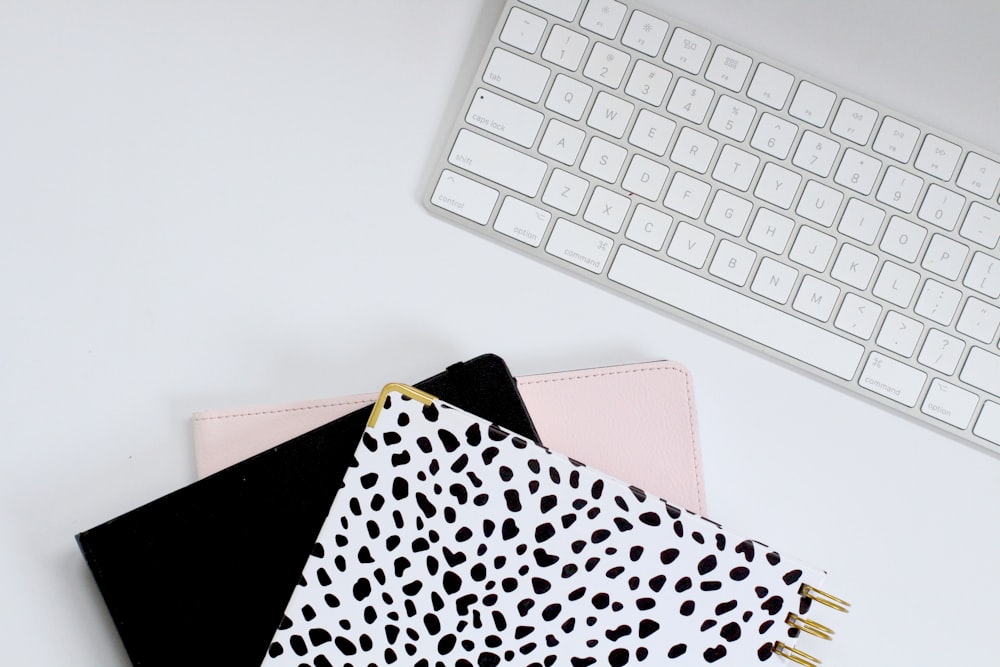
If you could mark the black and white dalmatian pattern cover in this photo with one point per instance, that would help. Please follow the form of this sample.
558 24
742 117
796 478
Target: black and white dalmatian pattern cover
454 542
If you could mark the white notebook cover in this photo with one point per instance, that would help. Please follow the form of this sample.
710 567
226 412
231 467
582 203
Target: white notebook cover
454 542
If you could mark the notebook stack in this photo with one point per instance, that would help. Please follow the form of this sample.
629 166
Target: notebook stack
470 519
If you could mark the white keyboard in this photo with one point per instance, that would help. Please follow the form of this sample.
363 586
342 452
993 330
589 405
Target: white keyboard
716 184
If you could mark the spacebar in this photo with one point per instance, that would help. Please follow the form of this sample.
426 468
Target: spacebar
737 313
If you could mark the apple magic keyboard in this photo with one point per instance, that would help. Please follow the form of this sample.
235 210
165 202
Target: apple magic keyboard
716 184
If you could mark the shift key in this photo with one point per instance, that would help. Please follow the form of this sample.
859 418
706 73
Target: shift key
982 370
988 426
498 163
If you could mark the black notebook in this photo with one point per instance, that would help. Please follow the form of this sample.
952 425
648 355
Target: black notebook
167 570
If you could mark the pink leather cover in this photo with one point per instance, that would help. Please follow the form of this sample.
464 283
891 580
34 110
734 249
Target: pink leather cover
636 422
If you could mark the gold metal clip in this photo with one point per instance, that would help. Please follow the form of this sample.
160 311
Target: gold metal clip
809 626
405 390
795 655
823 598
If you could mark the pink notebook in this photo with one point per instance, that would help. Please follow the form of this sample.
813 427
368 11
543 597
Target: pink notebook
651 417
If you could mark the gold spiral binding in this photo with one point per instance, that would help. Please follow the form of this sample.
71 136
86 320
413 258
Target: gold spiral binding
809 626
823 597
795 655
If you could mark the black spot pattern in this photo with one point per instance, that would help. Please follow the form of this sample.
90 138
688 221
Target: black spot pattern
454 538
792 576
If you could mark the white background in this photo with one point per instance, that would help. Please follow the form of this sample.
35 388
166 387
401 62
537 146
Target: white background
216 204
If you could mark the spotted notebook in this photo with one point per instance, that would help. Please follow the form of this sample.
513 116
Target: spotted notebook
455 542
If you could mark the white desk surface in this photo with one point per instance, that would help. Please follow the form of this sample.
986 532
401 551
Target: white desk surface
207 204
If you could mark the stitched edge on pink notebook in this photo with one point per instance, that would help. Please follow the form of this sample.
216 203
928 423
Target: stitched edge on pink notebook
636 422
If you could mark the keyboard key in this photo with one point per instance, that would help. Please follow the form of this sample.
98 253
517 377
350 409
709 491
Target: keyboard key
812 248
938 302
894 380
735 312
988 426
861 221
945 257
854 266
648 83
896 139
565 191
774 136
645 33
816 298
774 281
903 239
645 177
938 157
732 118
504 118
983 275
896 284
854 122
564 9
899 334
568 97
770 86
899 189
777 185
732 263
523 30
979 320
812 104
952 405
979 175
728 213
941 352
941 207
728 68
603 159
686 51
565 48
687 195
735 168
517 75
522 221
562 142
694 150
652 132
610 114
982 225
603 17
770 231
648 227
607 209
572 243
816 154
819 203
690 245
690 100
465 197
606 65
497 163
858 171
982 370
858 316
